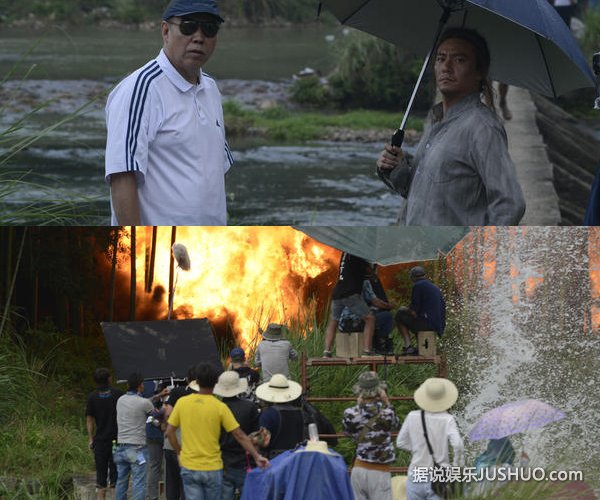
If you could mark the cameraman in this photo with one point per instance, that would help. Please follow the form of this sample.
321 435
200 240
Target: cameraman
154 443
371 423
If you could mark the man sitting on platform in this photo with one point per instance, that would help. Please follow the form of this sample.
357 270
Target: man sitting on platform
374 295
427 310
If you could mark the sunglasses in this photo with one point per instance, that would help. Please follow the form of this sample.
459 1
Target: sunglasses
188 27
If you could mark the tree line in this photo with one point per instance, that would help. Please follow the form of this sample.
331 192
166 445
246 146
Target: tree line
137 11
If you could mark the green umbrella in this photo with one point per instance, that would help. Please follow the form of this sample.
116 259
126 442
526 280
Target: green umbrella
389 245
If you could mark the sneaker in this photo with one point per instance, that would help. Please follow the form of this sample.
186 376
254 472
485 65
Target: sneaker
368 354
326 354
410 351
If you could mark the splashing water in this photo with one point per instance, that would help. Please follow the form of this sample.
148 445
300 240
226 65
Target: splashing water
525 305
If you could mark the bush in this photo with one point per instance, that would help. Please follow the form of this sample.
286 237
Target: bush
128 11
54 9
309 91
134 11
591 37
374 74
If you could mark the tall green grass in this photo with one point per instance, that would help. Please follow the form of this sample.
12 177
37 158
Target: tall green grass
15 138
42 428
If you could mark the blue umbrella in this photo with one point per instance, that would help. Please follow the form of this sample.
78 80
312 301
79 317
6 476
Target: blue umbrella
298 474
530 45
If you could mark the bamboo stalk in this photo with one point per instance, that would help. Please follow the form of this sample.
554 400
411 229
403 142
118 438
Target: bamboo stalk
171 270
150 281
132 282
12 284
113 275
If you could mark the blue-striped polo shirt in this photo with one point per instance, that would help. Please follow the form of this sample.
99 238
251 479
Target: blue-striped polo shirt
171 134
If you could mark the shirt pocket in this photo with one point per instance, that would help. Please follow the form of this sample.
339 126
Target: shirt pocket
446 162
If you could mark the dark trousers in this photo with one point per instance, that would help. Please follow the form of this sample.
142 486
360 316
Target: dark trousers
384 324
174 485
404 317
153 467
566 12
105 467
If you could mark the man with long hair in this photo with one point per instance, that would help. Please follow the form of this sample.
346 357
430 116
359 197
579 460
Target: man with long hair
461 173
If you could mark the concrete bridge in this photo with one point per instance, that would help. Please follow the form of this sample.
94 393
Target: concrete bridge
555 158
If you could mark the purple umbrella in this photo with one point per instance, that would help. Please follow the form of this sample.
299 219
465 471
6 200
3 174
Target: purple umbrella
512 418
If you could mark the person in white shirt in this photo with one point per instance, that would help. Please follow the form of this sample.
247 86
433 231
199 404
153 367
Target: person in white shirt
166 153
435 396
273 353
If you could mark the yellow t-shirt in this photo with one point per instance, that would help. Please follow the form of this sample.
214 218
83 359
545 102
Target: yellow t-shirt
201 417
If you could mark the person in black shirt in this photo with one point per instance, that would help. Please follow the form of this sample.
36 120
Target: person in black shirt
236 461
239 365
173 482
348 293
101 412
283 418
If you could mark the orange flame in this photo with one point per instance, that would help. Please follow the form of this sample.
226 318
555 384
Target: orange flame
594 270
243 276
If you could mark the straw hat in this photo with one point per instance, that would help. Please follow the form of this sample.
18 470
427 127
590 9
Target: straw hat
436 394
273 332
230 384
279 390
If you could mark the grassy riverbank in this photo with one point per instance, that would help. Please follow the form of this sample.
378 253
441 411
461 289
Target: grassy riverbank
286 125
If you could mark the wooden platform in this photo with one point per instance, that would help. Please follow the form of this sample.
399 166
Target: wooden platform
372 362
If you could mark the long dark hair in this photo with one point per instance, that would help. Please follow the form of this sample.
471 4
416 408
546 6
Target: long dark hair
482 58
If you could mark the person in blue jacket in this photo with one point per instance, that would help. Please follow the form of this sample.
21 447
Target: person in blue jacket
427 310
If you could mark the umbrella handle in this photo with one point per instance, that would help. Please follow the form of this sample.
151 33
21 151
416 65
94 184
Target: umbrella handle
398 138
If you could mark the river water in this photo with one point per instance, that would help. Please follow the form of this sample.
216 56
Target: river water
308 183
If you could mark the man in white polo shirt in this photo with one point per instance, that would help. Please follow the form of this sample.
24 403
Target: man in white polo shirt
166 152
